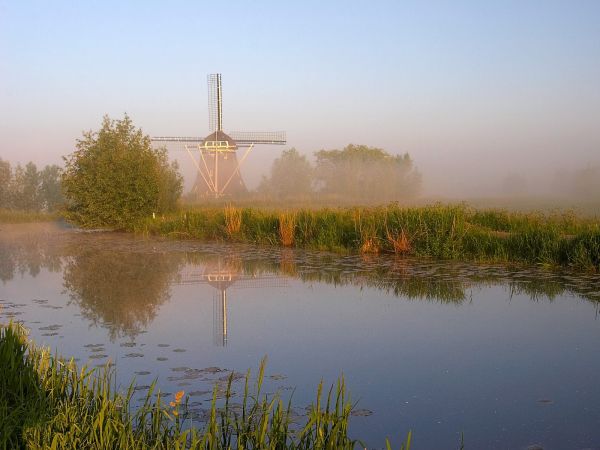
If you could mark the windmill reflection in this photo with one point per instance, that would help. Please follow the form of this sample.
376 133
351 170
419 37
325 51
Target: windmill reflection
222 276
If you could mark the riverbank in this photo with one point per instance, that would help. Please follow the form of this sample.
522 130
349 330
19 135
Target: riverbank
47 402
17 216
454 232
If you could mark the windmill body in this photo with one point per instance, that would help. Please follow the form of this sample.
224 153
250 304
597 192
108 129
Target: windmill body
215 156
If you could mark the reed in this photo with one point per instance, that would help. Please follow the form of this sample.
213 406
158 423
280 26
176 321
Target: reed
47 402
399 242
233 220
287 225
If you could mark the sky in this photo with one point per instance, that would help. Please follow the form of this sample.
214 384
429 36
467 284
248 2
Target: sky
472 90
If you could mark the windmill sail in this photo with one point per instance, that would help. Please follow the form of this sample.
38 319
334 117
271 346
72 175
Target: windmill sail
218 168
215 102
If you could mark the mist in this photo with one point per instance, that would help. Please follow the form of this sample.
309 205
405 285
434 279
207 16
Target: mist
489 100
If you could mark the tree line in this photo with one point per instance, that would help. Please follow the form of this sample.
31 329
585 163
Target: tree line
29 189
355 173
115 176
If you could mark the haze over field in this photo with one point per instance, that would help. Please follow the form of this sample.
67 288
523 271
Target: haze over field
487 99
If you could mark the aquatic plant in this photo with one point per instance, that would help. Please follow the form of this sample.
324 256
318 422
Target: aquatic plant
47 402
287 224
233 220
436 231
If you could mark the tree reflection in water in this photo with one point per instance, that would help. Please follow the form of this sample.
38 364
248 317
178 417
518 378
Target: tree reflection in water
120 290
119 281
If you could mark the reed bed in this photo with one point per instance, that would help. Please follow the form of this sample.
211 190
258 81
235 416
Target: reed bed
47 402
436 231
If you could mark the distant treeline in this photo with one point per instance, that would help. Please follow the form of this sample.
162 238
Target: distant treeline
357 173
29 189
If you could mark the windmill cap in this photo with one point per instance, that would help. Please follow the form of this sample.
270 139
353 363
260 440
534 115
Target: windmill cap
221 139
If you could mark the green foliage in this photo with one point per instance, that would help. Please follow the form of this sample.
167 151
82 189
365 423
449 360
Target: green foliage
115 177
366 173
50 186
356 174
5 184
291 176
438 231
27 189
46 402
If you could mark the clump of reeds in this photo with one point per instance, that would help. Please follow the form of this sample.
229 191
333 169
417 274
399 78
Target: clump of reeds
367 231
287 226
399 242
46 402
233 220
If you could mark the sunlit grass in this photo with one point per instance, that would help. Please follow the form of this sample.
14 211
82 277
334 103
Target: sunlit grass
436 231
46 402
16 216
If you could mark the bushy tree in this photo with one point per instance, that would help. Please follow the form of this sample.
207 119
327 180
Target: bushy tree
360 172
115 177
5 182
50 188
291 176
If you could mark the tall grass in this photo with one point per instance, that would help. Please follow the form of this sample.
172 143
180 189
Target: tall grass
436 231
46 402
233 220
17 216
287 225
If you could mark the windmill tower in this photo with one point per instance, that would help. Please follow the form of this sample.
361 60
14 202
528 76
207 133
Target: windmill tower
215 156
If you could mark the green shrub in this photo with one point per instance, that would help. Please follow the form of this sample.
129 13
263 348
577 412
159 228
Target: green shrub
115 177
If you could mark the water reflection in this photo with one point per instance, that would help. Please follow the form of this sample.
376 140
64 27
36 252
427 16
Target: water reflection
222 274
119 290
119 281
438 347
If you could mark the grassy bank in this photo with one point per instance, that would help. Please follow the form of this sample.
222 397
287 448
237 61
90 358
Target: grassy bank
438 231
17 216
46 402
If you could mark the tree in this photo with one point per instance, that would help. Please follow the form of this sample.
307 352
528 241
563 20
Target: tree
5 184
291 176
50 188
115 177
30 193
360 172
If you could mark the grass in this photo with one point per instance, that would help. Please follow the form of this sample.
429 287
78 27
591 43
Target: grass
49 403
17 216
437 231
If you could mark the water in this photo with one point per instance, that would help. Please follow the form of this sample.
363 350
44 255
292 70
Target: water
509 356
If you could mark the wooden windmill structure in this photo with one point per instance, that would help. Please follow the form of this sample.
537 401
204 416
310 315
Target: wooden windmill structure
223 276
215 156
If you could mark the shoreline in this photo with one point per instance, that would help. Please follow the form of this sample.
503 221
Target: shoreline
440 232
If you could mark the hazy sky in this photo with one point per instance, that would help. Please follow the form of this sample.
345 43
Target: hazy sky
472 90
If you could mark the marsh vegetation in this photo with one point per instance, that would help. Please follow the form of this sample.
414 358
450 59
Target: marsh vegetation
439 231
49 402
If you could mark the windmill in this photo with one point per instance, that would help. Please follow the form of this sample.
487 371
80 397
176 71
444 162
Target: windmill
217 165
